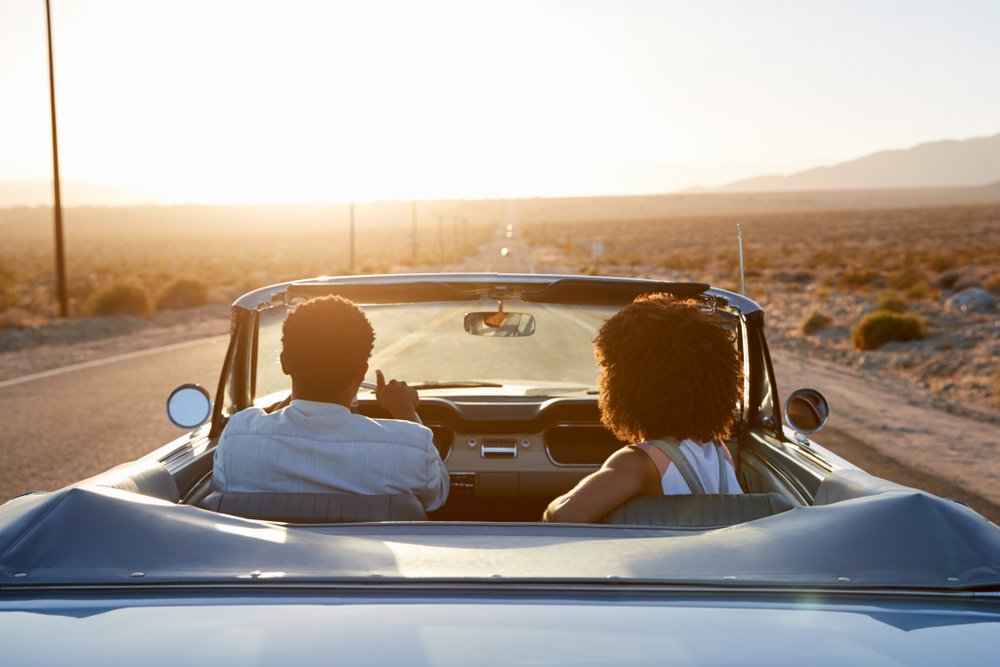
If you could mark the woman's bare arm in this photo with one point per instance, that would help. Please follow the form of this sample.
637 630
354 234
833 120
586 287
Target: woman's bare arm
627 473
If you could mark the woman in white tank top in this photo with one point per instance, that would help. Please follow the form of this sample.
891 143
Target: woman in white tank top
670 382
692 467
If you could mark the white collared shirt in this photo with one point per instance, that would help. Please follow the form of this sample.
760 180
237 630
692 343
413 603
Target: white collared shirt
313 447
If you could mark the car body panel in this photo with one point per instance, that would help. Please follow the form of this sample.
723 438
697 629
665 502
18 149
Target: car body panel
487 629
126 568
863 532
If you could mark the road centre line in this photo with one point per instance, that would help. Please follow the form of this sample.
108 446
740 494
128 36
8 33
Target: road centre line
110 360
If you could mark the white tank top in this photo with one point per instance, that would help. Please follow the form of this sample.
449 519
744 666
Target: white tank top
703 459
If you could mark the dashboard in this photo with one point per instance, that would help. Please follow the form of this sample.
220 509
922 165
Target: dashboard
514 447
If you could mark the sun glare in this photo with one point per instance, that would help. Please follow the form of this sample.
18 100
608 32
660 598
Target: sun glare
226 102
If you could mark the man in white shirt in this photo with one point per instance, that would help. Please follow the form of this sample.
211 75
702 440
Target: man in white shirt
315 443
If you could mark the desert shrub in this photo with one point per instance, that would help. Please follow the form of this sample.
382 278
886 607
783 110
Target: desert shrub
815 321
942 262
891 302
830 258
917 293
183 293
907 279
993 283
947 279
858 279
8 298
875 329
120 299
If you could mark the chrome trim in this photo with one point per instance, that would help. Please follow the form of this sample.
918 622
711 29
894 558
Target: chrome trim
272 294
498 448
196 443
366 585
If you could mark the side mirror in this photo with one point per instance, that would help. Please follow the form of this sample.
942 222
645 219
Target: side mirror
500 324
189 406
807 411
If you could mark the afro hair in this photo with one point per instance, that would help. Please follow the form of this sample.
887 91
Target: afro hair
668 369
326 342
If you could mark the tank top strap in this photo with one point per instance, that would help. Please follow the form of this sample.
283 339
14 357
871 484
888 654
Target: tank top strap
680 460
660 460
720 452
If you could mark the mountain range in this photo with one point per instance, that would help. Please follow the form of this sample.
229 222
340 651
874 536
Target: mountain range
971 163
968 163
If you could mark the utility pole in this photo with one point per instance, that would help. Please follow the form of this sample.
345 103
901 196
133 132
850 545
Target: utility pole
353 256
60 255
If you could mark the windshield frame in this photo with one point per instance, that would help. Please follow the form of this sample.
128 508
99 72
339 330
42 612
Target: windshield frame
238 384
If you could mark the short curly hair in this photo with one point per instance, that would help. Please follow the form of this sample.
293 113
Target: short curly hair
326 342
668 369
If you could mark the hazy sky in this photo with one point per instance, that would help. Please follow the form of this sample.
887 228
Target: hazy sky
243 101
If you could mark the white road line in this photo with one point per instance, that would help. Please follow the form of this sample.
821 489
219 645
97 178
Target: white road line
110 360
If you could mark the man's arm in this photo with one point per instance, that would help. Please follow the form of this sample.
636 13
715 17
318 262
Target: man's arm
627 473
400 400
435 494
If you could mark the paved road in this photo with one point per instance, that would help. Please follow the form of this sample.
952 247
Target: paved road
72 424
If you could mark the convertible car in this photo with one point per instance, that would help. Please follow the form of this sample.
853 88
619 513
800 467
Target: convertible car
816 562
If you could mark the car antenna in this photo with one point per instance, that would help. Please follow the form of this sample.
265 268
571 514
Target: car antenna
739 238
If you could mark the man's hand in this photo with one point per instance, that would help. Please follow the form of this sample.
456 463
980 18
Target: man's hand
400 400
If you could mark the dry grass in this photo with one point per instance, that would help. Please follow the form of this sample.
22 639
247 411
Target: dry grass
229 249
996 387
120 299
183 293
834 262
876 329
891 302
815 321
857 250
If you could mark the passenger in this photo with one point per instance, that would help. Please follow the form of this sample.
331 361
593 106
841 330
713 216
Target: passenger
670 379
315 443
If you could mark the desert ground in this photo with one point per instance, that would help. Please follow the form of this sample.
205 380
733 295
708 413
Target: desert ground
830 264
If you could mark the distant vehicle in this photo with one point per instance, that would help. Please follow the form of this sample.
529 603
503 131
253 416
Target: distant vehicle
817 562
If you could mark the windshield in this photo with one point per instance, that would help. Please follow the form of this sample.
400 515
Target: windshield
427 344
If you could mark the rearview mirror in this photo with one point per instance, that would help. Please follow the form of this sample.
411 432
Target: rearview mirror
499 324
807 411
189 406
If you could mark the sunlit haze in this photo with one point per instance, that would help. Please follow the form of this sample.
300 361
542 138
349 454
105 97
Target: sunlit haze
247 102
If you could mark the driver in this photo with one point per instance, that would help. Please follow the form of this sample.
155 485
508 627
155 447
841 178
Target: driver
315 443
670 381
